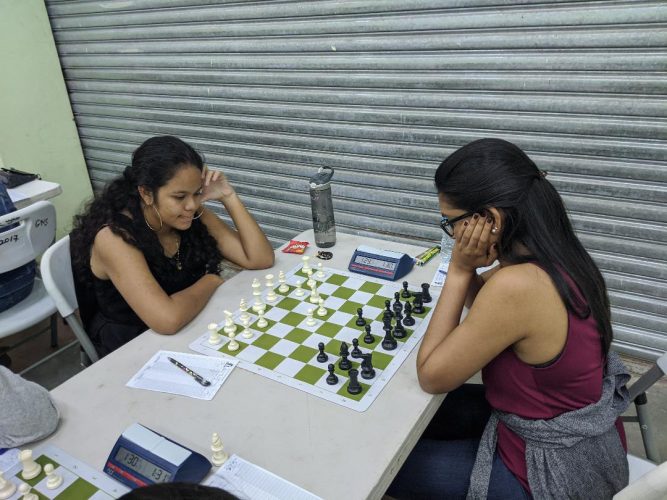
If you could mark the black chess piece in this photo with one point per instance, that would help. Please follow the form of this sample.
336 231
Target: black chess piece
408 320
368 338
398 306
426 297
399 330
322 356
417 304
344 363
367 370
356 352
388 311
386 324
389 342
360 320
405 293
332 378
354 387
344 349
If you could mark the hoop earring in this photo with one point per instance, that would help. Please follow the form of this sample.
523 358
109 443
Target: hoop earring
200 214
158 216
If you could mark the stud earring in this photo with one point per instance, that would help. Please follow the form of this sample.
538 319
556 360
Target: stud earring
494 230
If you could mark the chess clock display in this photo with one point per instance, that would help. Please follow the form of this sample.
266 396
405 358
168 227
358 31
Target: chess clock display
380 263
141 457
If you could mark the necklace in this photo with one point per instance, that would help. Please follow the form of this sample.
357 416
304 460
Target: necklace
177 255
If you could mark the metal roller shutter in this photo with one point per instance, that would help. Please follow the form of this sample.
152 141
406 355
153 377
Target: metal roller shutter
382 92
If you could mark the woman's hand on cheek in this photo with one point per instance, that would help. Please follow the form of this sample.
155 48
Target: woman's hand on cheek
473 247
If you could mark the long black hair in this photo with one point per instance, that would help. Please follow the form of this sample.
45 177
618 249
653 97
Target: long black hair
154 163
493 173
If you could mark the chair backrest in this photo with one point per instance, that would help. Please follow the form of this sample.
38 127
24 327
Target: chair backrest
56 267
35 231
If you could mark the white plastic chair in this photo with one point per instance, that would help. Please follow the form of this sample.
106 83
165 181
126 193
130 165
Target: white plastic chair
19 245
56 269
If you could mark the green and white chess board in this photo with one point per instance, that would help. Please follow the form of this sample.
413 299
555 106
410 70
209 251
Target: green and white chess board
286 349
80 481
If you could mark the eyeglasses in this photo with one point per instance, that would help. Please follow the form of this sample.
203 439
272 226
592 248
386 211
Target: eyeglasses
447 225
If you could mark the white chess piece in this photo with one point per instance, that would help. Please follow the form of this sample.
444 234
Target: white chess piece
7 488
261 322
314 295
257 293
310 321
24 490
53 480
243 306
219 455
246 333
283 288
214 337
299 291
306 266
229 323
320 271
321 311
31 469
232 345
271 294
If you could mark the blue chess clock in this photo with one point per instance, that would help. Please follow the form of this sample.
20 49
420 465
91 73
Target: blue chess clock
141 457
380 263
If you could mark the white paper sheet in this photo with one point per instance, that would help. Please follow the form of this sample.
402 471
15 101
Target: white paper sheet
249 482
160 375
9 458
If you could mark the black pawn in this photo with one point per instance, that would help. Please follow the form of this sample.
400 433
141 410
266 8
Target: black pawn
417 304
405 293
322 356
399 331
408 320
367 370
389 342
356 352
354 387
426 297
368 338
360 320
398 306
332 379
388 311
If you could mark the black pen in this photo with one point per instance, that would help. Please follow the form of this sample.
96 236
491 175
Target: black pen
187 370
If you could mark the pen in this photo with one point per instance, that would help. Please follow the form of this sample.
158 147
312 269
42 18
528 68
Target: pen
194 375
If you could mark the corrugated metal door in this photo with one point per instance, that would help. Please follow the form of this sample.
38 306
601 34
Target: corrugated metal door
382 92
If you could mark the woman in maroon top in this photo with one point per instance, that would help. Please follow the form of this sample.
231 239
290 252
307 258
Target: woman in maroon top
538 324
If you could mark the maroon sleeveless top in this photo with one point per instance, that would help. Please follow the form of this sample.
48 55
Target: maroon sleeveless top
572 381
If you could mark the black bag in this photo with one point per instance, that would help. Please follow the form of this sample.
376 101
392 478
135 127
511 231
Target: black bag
11 177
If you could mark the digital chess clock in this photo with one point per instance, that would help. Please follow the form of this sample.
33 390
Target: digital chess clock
380 263
141 457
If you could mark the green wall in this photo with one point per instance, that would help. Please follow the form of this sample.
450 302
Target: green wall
37 129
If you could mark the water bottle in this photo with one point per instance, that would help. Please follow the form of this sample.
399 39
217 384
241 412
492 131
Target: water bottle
446 247
324 224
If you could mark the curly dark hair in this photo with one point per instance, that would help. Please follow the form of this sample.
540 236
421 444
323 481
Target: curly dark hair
154 163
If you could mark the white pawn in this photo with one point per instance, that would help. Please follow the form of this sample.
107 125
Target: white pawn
229 323
320 271
257 293
53 480
299 291
24 490
271 295
261 322
321 311
315 296
219 455
310 321
31 469
246 334
214 337
7 488
233 345
306 266
283 288
243 306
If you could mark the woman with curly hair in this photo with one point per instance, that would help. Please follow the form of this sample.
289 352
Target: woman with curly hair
146 253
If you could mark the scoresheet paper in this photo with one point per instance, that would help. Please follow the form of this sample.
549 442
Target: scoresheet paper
249 482
160 375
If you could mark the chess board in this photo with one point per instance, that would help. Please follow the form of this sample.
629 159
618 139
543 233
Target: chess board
80 481
286 349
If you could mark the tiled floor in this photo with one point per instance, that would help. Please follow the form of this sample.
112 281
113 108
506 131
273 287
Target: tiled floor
64 362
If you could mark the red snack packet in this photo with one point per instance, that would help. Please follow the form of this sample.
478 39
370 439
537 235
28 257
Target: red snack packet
296 247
